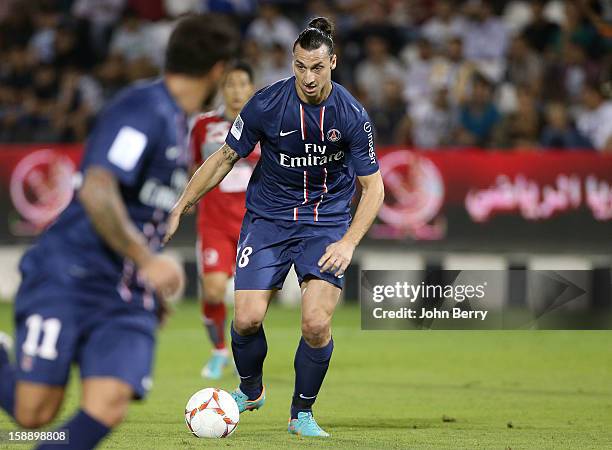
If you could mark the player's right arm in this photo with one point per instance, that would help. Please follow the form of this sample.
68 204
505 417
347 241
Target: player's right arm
208 175
244 134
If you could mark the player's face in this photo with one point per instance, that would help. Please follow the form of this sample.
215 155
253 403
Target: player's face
237 89
312 69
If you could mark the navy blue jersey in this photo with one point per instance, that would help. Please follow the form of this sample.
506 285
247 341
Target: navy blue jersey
310 154
141 138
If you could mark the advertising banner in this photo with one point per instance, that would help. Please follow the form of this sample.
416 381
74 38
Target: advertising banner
475 199
449 199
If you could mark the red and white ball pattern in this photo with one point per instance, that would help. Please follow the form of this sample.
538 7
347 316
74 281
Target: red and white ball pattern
212 413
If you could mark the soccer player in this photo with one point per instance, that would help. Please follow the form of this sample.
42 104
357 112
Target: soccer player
220 213
315 140
93 285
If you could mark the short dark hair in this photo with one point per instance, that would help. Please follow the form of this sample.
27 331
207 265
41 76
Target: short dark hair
318 32
238 65
198 42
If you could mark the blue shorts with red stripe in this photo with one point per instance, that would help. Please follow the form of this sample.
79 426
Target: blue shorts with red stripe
268 248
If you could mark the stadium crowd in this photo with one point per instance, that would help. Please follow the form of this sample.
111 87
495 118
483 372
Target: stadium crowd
432 73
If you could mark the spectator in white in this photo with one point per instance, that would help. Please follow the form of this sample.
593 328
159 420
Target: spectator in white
452 72
271 27
485 38
42 41
428 125
444 25
277 65
176 8
378 66
595 121
516 15
131 48
130 40
418 85
524 66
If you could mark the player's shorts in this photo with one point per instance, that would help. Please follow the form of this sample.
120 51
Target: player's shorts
267 249
57 325
216 250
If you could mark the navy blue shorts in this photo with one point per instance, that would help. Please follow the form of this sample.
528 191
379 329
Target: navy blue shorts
267 249
57 325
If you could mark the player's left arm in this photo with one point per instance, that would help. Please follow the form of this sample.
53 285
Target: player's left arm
338 255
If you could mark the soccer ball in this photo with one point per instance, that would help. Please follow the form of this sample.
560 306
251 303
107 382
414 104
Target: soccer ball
212 413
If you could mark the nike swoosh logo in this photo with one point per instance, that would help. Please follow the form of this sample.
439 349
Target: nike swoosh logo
307 398
285 133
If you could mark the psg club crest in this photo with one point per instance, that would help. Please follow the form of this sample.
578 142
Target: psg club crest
333 135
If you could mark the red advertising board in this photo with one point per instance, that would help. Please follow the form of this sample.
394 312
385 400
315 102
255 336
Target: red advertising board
444 195
451 197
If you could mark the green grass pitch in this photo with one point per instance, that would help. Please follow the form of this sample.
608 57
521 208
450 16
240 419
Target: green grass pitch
411 389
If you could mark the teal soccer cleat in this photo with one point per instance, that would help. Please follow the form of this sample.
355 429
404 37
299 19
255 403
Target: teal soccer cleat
244 404
306 425
214 367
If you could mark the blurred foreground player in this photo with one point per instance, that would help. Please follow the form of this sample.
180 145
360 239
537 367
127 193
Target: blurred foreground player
220 213
93 285
315 140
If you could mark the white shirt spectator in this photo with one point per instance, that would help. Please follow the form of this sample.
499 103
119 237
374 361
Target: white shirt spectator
431 126
439 32
370 76
596 125
485 40
176 8
130 44
158 34
281 30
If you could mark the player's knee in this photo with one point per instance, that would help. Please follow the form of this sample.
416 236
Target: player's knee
111 411
247 324
214 294
34 417
316 333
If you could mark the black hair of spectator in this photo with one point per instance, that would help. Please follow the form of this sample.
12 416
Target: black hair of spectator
480 78
319 32
198 42
239 65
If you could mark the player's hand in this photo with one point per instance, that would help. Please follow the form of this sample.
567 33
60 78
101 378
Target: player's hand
164 310
172 224
165 275
337 258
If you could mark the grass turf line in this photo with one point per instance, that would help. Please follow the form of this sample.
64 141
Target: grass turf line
410 389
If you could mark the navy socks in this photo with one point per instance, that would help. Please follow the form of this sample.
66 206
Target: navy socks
310 368
7 384
84 433
249 354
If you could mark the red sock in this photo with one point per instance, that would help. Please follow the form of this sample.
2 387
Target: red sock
214 320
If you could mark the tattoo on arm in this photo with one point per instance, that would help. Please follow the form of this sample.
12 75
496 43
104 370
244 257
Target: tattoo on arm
104 205
187 207
230 155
